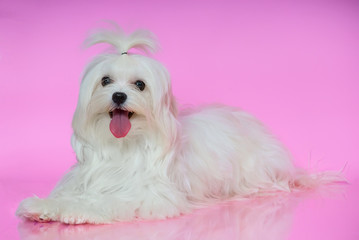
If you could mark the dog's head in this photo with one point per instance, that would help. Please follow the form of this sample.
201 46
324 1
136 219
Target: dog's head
125 95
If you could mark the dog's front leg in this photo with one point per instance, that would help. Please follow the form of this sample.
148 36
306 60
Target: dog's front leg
77 209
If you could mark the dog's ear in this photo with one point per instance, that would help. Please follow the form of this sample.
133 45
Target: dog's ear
164 105
81 119
83 151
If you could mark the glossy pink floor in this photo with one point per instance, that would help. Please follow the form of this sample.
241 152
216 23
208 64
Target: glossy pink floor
329 214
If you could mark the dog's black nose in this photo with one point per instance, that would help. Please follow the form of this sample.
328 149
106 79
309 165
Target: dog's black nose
119 97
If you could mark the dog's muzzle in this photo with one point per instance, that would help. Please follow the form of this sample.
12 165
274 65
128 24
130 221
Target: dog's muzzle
120 123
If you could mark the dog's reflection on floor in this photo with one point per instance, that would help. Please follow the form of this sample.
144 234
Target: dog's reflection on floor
260 218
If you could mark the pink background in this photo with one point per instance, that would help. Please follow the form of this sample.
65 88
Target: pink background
293 64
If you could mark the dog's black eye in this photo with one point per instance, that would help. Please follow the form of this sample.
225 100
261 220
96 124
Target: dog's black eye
140 84
106 80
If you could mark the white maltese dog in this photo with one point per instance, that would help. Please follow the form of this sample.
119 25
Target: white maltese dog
138 158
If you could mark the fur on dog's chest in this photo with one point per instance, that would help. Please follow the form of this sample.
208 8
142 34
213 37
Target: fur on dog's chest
108 173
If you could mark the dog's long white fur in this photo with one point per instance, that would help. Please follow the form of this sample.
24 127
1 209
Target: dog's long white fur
170 162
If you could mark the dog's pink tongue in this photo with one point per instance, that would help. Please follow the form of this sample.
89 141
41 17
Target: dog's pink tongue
120 124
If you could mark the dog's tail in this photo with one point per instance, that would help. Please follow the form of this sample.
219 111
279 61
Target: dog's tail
304 180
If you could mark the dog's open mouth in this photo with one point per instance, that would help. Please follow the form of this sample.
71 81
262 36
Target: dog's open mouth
129 113
120 123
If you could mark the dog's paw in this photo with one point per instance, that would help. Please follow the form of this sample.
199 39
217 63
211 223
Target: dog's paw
158 210
75 218
82 214
71 219
36 209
